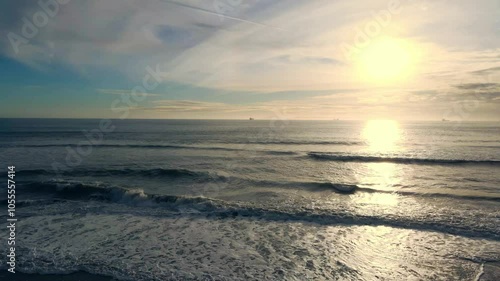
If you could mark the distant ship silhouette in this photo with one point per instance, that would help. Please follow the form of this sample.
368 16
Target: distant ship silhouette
251 118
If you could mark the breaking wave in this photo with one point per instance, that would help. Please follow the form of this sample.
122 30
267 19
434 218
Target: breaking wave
219 209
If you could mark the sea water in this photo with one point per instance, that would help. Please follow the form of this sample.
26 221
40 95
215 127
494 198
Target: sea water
256 199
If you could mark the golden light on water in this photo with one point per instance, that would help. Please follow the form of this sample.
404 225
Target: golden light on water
379 176
387 60
381 135
382 175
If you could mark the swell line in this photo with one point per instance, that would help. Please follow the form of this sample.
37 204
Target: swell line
398 160
213 177
219 209
243 142
162 146
150 173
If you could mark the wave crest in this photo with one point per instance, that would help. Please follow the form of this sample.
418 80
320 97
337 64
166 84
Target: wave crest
218 209
154 172
397 160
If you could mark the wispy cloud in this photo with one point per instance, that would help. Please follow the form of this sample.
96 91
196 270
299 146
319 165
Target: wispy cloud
124 92
487 70
187 105
479 86
219 14
289 50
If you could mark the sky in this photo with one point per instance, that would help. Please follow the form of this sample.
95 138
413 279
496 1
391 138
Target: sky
235 59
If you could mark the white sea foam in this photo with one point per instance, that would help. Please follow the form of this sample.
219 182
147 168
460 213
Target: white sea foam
135 243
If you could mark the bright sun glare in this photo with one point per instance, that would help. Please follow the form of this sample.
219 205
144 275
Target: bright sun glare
387 60
381 135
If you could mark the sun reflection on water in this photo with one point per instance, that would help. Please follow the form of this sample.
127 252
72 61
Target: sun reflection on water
381 135
383 177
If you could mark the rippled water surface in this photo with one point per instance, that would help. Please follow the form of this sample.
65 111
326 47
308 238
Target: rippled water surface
257 200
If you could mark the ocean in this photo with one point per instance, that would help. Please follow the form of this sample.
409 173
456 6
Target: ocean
255 199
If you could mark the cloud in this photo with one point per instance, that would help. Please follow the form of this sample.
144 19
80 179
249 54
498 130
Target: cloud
187 105
289 50
256 45
219 14
478 86
124 92
487 70
289 59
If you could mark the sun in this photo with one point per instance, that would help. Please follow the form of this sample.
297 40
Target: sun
387 60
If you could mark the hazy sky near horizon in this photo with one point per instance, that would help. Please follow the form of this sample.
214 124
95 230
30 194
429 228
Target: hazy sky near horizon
406 59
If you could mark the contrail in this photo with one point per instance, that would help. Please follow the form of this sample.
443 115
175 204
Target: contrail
221 15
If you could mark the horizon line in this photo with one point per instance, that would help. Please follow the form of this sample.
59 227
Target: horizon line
246 119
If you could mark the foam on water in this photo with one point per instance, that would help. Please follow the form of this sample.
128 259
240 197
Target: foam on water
138 243
273 211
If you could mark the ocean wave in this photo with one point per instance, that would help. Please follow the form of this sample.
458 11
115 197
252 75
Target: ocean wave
431 194
239 142
75 190
352 189
196 176
161 146
82 190
298 142
219 209
397 160
151 173
202 177
86 144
